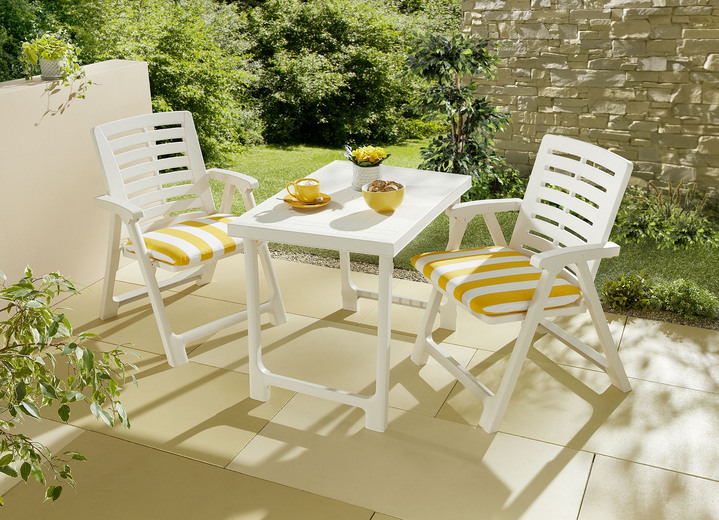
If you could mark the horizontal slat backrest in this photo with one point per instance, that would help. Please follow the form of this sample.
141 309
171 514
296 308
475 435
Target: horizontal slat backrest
572 197
155 162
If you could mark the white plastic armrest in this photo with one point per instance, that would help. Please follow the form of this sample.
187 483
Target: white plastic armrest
242 181
127 211
468 210
461 214
557 259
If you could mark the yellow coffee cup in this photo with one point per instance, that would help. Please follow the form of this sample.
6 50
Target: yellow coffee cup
305 190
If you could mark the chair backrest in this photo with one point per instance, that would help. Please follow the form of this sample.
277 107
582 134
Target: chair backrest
155 162
572 198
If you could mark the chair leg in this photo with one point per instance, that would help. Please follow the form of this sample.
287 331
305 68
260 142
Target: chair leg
615 368
108 305
496 406
208 271
420 353
174 347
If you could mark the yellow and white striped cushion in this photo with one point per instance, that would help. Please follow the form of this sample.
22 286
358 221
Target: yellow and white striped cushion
490 280
191 242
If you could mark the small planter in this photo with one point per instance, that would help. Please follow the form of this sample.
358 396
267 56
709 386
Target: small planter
51 69
362 175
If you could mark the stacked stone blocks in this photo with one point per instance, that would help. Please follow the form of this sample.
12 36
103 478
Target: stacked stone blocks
640 77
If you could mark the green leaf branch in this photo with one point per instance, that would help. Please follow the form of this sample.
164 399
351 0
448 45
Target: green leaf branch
42 364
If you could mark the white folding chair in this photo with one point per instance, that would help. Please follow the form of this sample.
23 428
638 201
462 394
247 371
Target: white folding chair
547 270
164 217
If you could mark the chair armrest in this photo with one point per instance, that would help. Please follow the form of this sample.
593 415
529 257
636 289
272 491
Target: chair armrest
127 211
242 181
557 259
473 208
462 213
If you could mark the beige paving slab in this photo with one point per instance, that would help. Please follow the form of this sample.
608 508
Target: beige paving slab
380 516
619 489
310 290
338 355
420 468
135 323
193 410
579 325
124 480
672 354
660 425
52 434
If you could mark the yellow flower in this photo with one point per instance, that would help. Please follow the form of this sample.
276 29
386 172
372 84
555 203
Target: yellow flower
368 154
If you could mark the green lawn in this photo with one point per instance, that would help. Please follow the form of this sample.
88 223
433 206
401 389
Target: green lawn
275 166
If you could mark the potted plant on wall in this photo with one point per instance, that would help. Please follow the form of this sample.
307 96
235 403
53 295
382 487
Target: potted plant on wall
56 59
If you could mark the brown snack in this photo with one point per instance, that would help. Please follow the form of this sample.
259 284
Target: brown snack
381 185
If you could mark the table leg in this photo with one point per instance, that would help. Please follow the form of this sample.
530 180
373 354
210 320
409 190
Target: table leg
378 409
259 389
348 289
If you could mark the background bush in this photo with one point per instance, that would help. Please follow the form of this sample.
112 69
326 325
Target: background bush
681 297
329 70
196 62
315 71
676 218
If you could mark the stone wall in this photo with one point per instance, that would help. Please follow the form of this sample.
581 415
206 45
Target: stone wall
640 77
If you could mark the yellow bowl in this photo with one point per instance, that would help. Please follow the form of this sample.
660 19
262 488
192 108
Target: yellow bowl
383 201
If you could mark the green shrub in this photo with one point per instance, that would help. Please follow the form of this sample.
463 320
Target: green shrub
16 24
677 218
196 59
629 292
330 71
681 297
448 64
686 299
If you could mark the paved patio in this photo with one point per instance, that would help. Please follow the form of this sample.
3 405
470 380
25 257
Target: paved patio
570 446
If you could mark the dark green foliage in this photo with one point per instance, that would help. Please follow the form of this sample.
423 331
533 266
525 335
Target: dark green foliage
677 218
686 299
681 297
19 20
195 52
330 71
448 64
193 65
629 292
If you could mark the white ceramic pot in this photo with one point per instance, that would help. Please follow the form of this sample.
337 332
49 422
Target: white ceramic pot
51 69
361 175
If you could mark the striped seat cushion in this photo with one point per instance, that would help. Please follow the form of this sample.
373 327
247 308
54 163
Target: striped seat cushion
190 242
490 280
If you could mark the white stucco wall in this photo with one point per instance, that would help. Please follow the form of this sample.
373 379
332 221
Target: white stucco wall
49 172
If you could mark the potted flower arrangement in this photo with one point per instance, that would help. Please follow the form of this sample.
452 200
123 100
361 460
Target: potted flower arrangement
56 59
366 161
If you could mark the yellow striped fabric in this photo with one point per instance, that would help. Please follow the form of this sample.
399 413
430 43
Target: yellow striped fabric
190 242
490 280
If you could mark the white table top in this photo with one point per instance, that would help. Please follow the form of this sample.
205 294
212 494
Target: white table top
347 223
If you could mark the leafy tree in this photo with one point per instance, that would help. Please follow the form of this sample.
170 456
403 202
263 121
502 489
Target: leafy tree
35 344
19 19
329 70
194 64
448 64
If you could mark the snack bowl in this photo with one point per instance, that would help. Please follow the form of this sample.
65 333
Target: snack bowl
383 201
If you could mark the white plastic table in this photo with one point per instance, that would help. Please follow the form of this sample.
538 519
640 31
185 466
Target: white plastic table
347 225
